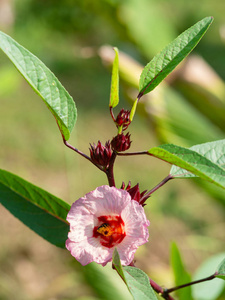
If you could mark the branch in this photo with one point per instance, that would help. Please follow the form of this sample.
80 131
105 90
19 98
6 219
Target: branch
165 180
81 153
132 153
109 171
159 290
167 291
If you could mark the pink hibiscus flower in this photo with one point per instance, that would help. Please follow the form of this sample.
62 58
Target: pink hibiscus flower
102 220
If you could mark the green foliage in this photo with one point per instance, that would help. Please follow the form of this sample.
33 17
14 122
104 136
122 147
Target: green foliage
208 290
136 280
114 95
164 62
221 270
214 151
191 161
44 83
181 276
39 210
46 214
102 281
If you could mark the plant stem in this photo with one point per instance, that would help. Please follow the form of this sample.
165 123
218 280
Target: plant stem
81 153
167 291
165 180
109 171
159 290
132 153
111 113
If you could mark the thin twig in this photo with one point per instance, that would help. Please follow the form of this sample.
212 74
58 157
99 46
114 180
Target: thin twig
132 153
111 113
165 180
167 291
82 154
159 290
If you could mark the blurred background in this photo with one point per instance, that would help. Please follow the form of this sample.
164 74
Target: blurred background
75 39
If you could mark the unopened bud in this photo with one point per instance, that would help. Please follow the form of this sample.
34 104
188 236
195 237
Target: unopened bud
121 142
123 119
100 155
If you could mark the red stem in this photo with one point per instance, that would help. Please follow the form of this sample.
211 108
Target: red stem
132 153
109 171
81 153
111 113
165 180
159 290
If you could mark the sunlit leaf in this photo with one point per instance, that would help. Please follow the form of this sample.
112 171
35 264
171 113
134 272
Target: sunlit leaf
39 210
44 83
211 289
181 276
103 282
164 62
214 151
191 161
114 94
221 270
135 279
138 283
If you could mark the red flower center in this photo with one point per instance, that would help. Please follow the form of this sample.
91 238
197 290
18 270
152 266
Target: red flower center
110 231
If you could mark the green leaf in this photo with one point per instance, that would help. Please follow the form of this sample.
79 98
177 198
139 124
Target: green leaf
221 270
114 94
181 276
214 151
208 290
138 284
39 210
103 282
117 264
135 279
164 62
44 83
190 161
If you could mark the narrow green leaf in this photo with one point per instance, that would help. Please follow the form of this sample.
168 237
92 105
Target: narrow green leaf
44 83
164 62
190 161
135 279
39 210
117 264
133 109
214 151
221 270
181 276
114 94
212 289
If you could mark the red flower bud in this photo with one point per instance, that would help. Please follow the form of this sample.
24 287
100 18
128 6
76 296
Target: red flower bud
100 155
135 193
121 142
123 119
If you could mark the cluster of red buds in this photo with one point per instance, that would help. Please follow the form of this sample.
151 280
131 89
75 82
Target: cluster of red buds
135 193
101 155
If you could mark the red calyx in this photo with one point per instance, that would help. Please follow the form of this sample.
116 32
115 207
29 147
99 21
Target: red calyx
123 119
100 155
121 142
135 193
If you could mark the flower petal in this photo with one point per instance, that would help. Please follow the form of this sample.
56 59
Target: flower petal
84 216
